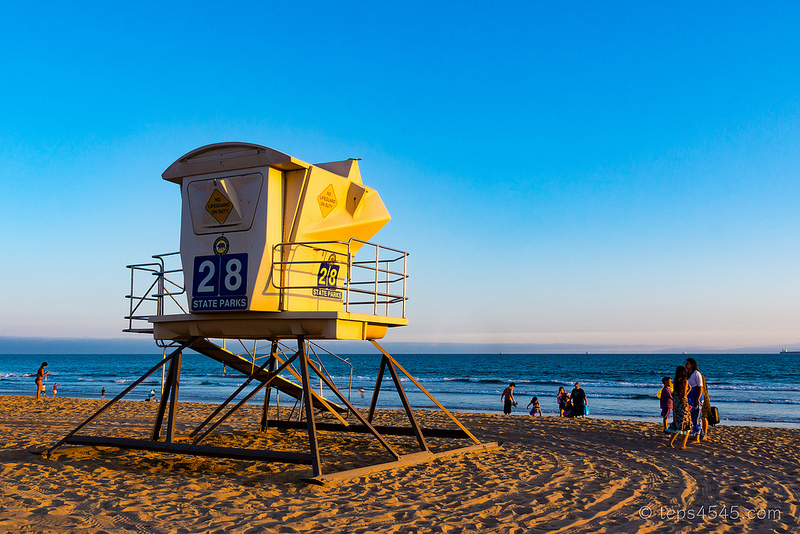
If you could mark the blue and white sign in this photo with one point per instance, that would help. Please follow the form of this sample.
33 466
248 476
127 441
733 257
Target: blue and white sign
220 283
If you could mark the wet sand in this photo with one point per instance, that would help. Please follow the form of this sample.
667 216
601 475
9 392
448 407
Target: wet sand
550 475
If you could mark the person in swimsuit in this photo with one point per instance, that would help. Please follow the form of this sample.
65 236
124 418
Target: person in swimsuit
534 403
666 400
40 374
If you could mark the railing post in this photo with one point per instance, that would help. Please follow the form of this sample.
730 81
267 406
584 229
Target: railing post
375 294
131 299
348 277
161 288
386 288
405 279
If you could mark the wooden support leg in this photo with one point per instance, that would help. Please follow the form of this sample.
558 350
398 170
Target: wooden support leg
355 412
222 406
245 399
173 401
172 375
316 465
127 390
374 402
425 391
407 405
265 413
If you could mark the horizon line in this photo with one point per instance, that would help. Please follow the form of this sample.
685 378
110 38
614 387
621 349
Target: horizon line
75 345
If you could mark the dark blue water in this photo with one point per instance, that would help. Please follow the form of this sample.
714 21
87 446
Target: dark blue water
747 388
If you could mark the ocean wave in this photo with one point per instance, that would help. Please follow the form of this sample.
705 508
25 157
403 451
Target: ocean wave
748 387
766 401
17 375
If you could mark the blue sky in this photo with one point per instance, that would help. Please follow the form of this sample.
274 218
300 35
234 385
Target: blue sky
596 174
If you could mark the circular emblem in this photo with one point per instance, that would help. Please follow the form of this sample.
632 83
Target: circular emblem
221 245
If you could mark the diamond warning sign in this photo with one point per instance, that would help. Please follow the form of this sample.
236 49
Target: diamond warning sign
327 201
219 206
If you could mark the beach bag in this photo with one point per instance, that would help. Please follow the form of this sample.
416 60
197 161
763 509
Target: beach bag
713 416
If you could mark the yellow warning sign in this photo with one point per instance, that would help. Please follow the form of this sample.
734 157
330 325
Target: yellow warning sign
219 206
327 201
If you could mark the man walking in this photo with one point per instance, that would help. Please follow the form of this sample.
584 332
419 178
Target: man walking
578 401
508 398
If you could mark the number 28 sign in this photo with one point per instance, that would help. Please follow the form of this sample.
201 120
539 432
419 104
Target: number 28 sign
220 283
326 280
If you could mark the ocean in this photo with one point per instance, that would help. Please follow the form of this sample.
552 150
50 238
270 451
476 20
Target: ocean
750 389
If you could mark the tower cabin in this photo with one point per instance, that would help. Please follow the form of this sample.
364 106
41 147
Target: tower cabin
268 248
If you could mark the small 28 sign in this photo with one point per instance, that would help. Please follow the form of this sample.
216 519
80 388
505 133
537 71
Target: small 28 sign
326 280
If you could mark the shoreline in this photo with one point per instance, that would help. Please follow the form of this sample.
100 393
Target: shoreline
521 413
550 475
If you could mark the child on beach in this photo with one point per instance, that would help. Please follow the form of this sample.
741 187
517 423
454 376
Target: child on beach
535 406
564 403
666 399
55 389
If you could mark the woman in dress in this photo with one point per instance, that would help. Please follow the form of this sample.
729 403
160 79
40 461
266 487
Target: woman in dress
681 416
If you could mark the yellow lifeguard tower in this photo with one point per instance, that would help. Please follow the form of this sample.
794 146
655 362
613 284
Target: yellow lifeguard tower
273 248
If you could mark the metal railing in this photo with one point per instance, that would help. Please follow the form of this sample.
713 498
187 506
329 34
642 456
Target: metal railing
148 299
375 279
374 282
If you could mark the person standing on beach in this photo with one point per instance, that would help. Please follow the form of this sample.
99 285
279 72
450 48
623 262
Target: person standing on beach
55 390
563 402
681 417
40 375
103 394
579 401
706 409
508 398
695 398
666 399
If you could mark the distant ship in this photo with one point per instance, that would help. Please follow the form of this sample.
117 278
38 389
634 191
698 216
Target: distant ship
787 351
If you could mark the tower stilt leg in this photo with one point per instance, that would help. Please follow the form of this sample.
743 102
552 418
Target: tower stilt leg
316 464
169 395
265 413
355 412
127 390
270 362
374 402
245 399
407 406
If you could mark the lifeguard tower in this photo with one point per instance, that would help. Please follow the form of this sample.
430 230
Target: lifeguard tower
273 249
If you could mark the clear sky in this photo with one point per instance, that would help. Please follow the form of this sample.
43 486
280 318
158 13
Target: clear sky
590 173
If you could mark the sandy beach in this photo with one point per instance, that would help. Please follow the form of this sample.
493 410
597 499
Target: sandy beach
550 475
